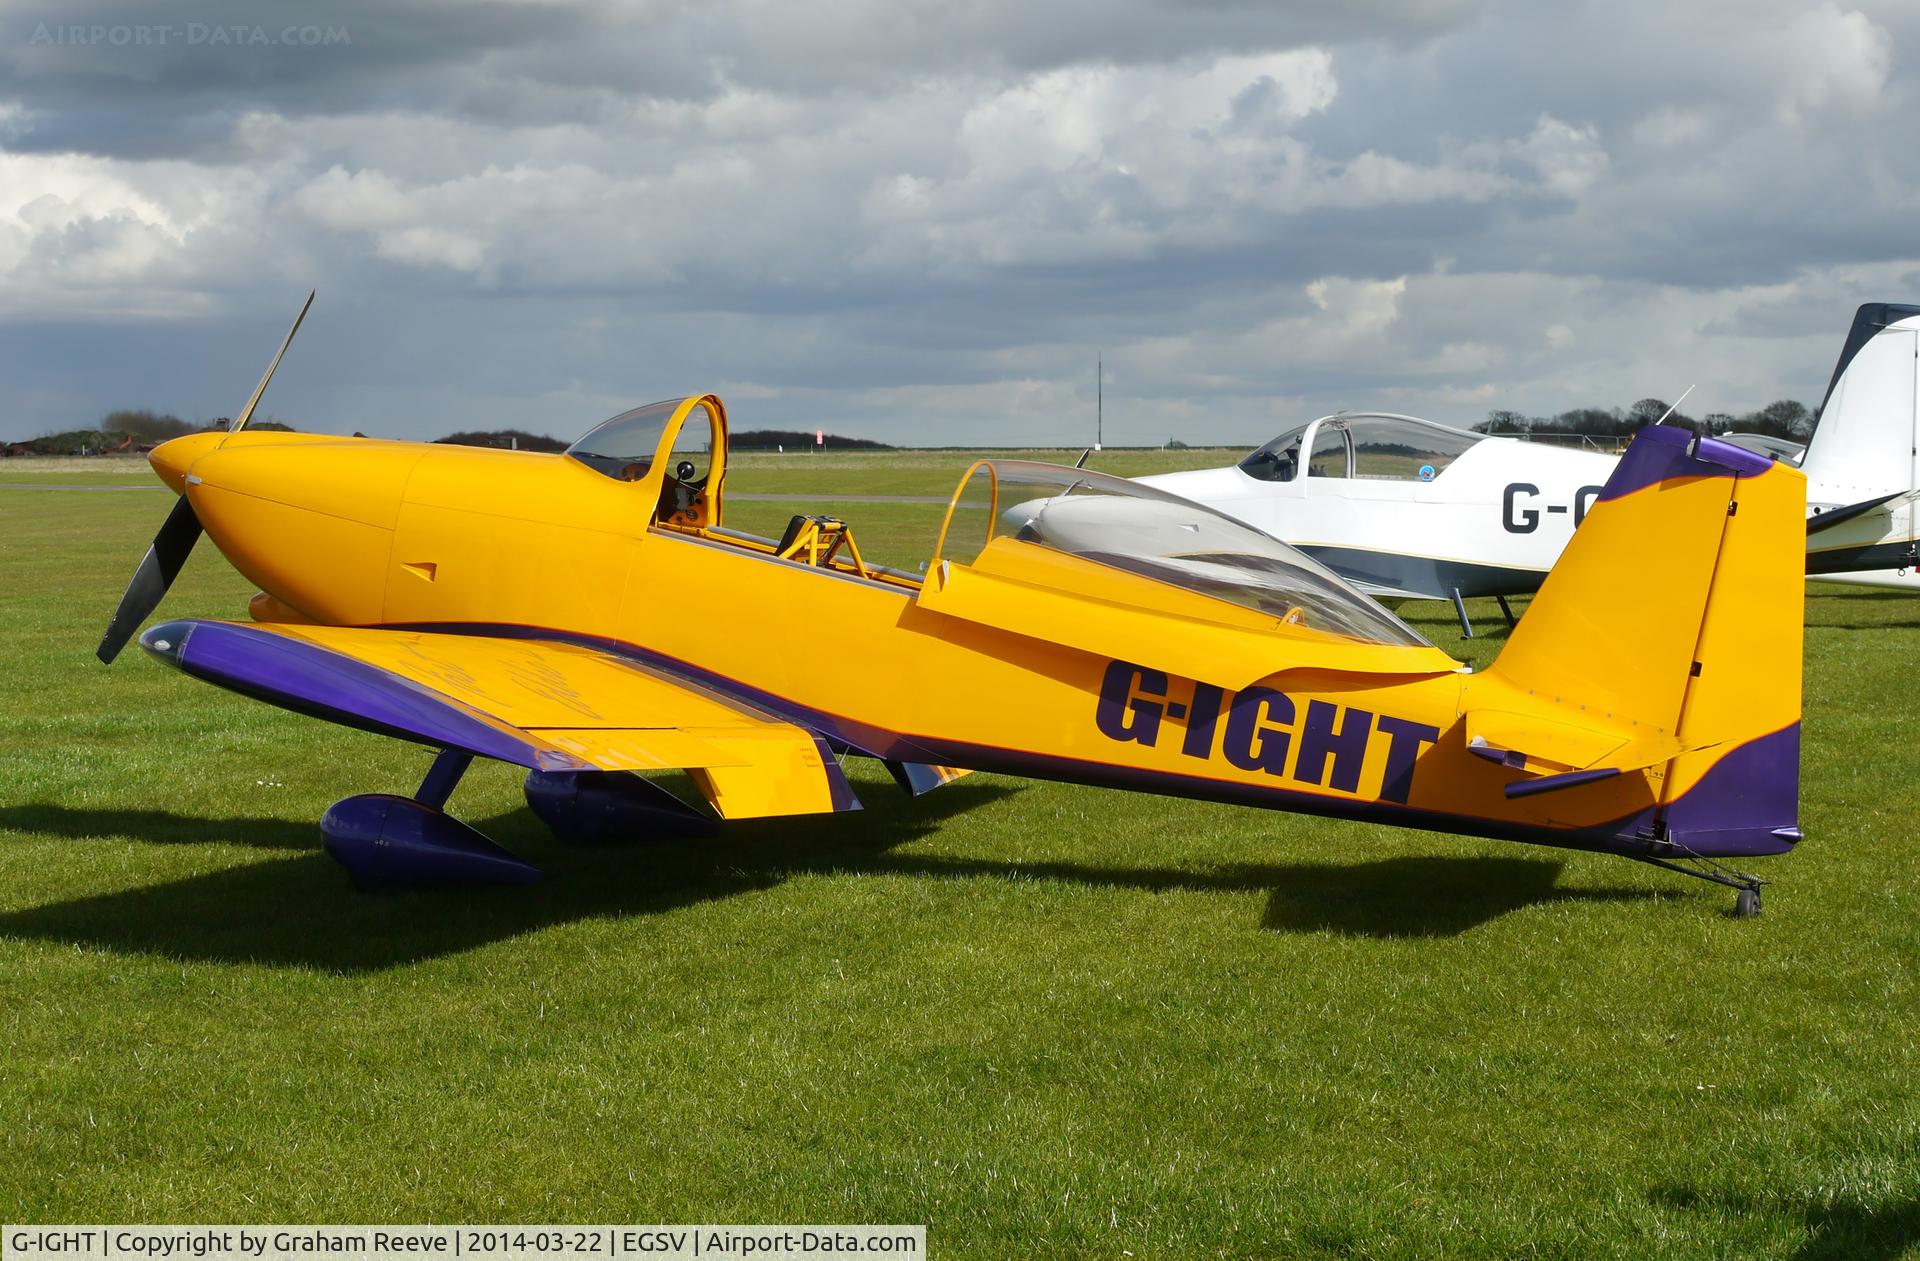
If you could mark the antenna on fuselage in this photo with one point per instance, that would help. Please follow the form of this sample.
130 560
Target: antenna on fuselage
1675 405
1099 400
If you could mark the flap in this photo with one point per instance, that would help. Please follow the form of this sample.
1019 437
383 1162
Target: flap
536 703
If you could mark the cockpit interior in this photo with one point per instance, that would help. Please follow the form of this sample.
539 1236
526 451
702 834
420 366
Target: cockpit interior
1006 510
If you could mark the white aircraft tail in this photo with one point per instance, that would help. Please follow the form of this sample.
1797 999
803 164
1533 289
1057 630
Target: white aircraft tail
1865 444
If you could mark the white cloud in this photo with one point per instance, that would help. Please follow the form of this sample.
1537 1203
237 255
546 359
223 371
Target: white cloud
1671 127
1377 179
84 234
1358 308
1568 159
1831 58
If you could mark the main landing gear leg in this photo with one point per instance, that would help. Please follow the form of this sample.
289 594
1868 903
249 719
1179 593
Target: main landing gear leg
1746 904
1460 609
442 778
1512 621
388 841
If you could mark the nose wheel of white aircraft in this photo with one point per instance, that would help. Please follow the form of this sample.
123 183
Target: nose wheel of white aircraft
1460 611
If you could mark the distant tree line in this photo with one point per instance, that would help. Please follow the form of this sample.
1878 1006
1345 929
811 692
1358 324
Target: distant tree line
515 439
1783 419
127 430
770 439
140 429
132 430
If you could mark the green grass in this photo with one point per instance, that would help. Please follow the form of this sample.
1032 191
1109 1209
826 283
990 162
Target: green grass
1045 1020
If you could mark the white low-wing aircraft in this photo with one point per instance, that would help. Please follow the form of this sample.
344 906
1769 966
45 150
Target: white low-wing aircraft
1408 507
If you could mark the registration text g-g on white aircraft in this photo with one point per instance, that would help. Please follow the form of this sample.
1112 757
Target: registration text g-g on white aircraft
1407 507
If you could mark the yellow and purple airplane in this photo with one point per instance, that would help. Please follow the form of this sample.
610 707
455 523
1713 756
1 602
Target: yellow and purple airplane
591 617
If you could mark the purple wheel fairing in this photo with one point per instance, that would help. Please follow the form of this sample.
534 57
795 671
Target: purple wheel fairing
393 842
592 807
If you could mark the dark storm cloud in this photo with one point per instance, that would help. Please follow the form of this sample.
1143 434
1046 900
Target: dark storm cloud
917 218
535 62
135 79
211 54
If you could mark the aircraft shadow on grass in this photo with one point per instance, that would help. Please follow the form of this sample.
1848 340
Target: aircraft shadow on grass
158 827
1422 896
300 912
1844 1228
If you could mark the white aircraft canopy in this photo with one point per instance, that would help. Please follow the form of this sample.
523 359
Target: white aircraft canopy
1144 531
1372 445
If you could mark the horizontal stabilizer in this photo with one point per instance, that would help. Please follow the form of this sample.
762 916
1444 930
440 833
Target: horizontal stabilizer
1834 516
1538 746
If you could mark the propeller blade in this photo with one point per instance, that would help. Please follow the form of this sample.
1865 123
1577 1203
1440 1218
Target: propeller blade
178 533
171 545
246 413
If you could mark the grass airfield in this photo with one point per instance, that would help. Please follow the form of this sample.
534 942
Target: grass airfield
1045 1020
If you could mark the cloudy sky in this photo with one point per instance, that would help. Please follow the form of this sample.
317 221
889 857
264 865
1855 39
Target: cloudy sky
921 220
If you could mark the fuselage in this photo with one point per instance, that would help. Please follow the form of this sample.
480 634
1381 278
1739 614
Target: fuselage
1490 522
1021 660
1404 506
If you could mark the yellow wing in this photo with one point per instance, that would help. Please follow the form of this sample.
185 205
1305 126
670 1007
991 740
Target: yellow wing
538 703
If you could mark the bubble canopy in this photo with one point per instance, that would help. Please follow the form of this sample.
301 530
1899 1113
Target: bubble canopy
624 447
1145 531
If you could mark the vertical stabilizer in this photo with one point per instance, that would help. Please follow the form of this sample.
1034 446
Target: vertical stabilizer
1675 617
1865 443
